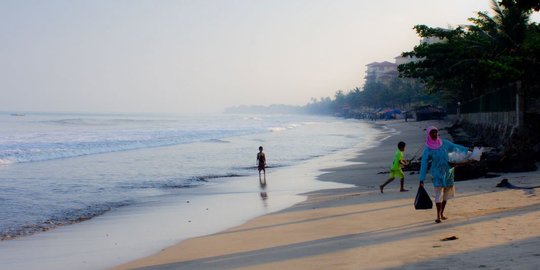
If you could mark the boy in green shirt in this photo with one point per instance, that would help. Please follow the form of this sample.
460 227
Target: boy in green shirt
395 170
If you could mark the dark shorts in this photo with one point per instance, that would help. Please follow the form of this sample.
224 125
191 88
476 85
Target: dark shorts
261 167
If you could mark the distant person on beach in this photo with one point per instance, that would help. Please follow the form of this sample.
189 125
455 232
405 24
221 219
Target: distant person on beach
261 163
395 169
436 150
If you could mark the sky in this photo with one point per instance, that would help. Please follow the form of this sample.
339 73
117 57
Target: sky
199 56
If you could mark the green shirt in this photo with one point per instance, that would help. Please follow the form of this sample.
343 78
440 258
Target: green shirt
396 165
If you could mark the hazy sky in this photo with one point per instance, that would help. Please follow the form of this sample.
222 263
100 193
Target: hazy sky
201 55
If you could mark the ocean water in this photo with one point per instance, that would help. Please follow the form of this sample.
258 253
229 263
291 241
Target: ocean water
59 169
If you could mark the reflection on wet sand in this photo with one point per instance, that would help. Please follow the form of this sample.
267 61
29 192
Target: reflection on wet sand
264 195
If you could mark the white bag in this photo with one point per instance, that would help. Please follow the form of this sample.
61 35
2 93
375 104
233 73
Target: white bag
457 157
460 157
476 154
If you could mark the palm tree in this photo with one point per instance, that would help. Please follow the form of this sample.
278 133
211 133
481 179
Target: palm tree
507 29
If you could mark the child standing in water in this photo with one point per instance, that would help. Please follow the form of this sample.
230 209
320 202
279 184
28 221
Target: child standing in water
395 170
261 163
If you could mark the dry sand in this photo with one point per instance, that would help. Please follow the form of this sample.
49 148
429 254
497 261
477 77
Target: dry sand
360 228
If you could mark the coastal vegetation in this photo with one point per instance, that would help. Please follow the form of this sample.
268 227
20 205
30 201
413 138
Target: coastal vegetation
472 60
461 64
398 93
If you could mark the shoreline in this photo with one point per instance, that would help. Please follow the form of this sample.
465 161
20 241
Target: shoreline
135 231
354 227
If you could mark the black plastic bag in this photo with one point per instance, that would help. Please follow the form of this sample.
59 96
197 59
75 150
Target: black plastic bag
422 201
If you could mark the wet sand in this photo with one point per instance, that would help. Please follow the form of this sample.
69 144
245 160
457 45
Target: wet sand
357 227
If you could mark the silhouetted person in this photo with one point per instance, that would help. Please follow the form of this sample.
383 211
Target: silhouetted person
261 164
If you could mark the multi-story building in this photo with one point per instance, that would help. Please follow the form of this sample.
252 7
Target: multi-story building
381 72
384 72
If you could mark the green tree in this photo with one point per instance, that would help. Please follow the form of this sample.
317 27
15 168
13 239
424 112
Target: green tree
339 101
525 4
354 98
469 60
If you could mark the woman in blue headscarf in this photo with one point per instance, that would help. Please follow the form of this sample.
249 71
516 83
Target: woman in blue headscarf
436 151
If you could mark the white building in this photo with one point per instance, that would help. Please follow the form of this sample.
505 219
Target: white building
381 72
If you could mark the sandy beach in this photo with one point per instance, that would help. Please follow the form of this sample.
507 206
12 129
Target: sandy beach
360 228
